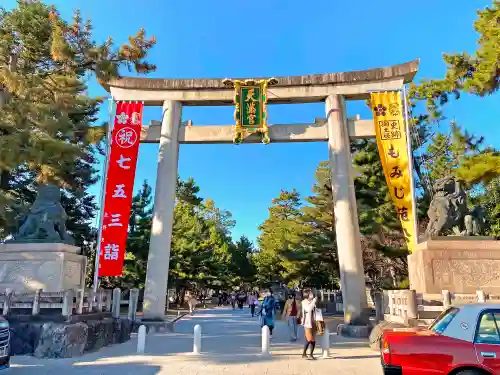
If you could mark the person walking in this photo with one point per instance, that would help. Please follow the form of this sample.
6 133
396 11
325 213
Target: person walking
253 302
268 311
233 300
291 312
308 310
192 302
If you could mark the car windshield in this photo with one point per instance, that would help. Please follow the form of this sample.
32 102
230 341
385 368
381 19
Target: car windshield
443 320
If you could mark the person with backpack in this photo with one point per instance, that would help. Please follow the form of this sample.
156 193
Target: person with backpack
268 311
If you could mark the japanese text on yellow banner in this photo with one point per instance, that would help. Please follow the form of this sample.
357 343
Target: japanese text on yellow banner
392 146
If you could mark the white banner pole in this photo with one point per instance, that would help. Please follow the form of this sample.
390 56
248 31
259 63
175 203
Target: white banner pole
410 165
103 194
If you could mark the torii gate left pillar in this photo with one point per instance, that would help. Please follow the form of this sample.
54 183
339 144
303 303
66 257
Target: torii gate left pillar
163 214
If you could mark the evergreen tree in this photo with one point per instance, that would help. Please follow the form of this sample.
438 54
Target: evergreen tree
47 132
376 212
187 191
222 220
241 260
201 244
448 152
477 73
278 238
191 258
383 243
318 254
141 219
490 200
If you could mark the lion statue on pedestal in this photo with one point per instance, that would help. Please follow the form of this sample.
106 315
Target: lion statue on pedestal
448 211
46 219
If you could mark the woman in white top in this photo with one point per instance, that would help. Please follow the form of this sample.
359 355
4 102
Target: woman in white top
308 307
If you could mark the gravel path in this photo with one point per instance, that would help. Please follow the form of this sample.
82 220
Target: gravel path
230 345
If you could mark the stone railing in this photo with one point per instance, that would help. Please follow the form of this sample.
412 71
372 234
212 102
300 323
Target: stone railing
68 302
405 306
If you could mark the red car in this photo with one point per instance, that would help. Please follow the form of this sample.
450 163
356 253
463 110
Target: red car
463 340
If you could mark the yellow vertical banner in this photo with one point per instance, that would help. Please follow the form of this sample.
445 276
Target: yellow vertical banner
392 145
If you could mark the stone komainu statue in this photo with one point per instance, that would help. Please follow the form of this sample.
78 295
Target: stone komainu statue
46 219
448 211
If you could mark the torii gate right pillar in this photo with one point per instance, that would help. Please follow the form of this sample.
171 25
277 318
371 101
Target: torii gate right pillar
352 275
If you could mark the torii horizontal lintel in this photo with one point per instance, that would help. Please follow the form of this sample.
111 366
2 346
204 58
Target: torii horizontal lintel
213 134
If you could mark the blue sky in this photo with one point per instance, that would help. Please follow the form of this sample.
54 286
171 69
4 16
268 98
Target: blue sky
198 39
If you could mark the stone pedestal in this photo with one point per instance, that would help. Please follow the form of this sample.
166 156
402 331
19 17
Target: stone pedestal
53 267
457 264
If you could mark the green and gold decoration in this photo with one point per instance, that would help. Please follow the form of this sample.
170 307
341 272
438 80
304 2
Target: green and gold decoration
250 113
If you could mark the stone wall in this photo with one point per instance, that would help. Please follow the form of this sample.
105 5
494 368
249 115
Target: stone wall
65 340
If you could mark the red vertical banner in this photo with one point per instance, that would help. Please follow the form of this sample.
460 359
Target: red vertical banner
122 161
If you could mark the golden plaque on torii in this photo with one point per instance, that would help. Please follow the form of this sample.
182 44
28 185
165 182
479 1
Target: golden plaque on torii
250 113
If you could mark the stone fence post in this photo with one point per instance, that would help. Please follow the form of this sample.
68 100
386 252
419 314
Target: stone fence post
339 307
92 300
6 303
100 300
80 297
67 309
108 294
446 298
392 302
115 309
481 296
36 303
133 301
379 306
411 304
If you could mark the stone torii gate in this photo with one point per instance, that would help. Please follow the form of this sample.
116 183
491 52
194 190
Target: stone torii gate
333 88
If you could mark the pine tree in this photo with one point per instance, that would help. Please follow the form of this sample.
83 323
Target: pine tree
376 211
241 260
187 191
318 241
222 220
477 74
279 235
188 257
47 120
221 273
448 152
490 200
201 244
383 243
141 219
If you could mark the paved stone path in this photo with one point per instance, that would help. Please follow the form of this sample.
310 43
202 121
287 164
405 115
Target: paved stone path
231 345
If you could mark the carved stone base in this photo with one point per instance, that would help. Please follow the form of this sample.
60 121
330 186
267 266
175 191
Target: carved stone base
457 264
51 267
